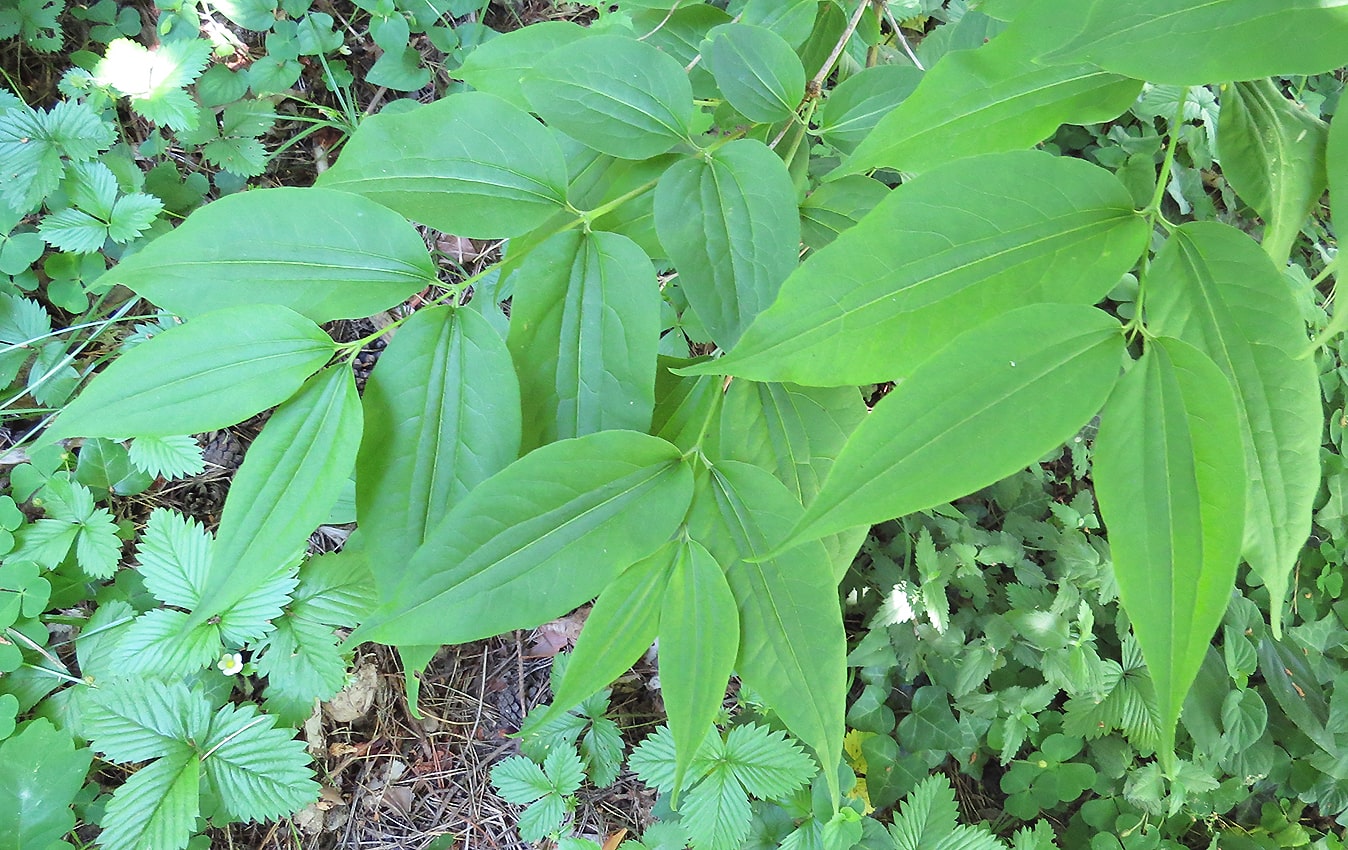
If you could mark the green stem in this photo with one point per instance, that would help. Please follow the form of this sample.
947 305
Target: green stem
1153 209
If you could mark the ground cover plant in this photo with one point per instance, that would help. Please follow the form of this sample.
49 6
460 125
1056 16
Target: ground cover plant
764 275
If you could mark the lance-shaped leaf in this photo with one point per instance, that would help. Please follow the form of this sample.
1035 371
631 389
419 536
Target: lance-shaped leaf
211 372
469 164
326 255
987 100
621 626
792 647
980 237
1273 154
540 537
759 74
289 481
860 102
584 327
699 639
618 95
796 433
836 206
1169 474
1212 287
442 415
1221 39
728 222
995 400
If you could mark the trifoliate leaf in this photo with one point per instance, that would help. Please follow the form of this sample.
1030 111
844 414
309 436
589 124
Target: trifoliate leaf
167 457
156 645
767 764
154 80
132 215
136 719
34 146
716 811
157 807
518 780
40 767
301 662
18 251
261 772
653 759
247 118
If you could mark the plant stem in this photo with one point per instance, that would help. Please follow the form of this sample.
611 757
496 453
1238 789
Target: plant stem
812 88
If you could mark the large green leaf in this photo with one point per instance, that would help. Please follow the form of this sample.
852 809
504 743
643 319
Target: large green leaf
442 415
603 179
860 102
796 433
728 222
41 772
979 237
988 100
679 33
1169 474
699 639
542 536
1188 42
498 65
792 646
615 94
1212 287
758 72
993 401
584 327
324 254
1273 154
468 164
289 481
211 372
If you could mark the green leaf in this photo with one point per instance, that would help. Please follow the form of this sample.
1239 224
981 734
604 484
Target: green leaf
209 373
334 589
261 772
41 772
563 770
73 231
540 537
157 644
499 66
447 165
679 33
621 626
989 100
792 648
35 144
1273 154
859 103
728 222
1244 718
254 615
399 68
442 414
1222 39
288 482
837 206
518 780
1211 287
615 94
765 762
929 724
758 72
137 719
1169 475
169 457
993 401
302 665
926 818
584 326
157 807
716 812
699 638
1336 165
154 80
982 236
324 254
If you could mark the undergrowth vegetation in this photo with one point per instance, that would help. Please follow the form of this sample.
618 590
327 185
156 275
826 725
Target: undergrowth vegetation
952 392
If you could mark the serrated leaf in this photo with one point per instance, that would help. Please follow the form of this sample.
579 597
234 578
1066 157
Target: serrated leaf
728 223
989 100
334 589
445 165
563 769
261 772
33 144
98 549
302 664
174 456
542 536
157 644
758 72
245 157
132 215
615 94
716 812
209 373
157 807
1214 290
867 309
133 720
584 326
601 751
324 254
41 771
518 780
767 764
289 481
542 818
653 760
927 816
174 553
74 231
1175 516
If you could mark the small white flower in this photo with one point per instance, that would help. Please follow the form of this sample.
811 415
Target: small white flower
231 663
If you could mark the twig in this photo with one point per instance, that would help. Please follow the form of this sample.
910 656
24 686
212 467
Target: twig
812 89
898 33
